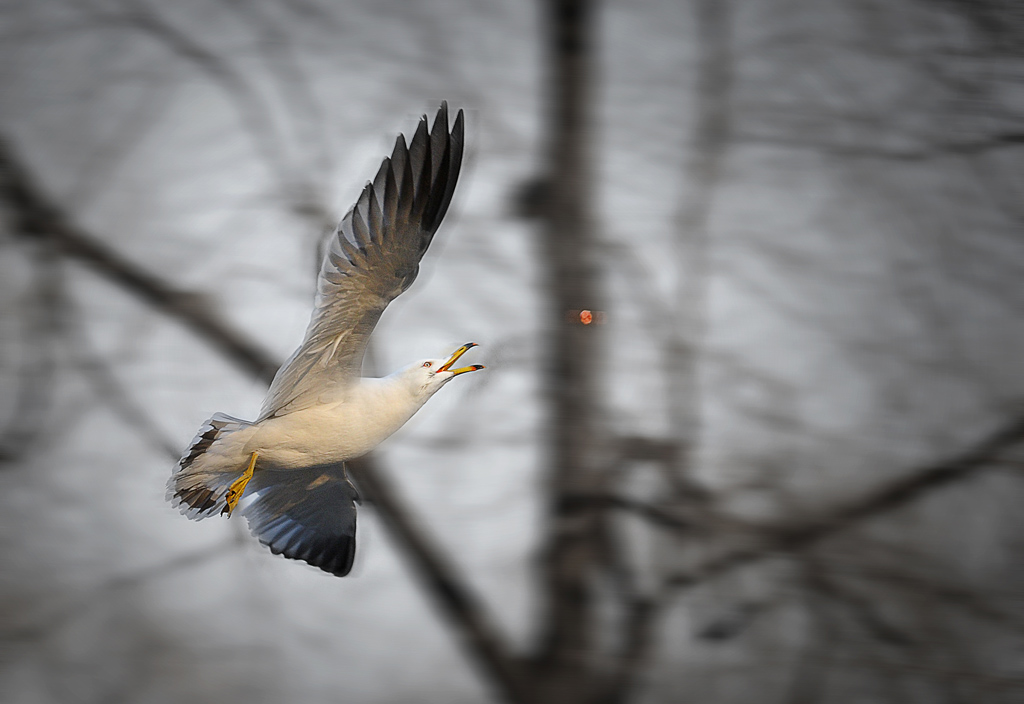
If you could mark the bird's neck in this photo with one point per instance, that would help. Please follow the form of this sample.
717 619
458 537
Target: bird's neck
391 397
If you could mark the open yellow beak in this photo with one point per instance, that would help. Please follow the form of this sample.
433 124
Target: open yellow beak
454 358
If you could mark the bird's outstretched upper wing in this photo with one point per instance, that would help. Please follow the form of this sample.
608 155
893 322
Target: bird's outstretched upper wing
373 257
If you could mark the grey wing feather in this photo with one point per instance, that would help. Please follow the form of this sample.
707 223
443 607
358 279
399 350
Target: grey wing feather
307 514
373 257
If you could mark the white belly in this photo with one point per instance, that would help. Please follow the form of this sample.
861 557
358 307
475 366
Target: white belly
334 432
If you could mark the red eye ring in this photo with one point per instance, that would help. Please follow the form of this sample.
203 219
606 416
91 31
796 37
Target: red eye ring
426 364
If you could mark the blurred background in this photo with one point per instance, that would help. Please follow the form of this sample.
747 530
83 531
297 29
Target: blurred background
783 463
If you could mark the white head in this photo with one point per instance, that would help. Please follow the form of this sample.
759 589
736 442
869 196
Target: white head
427 376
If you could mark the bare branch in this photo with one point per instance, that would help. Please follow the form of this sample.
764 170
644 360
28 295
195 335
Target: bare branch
479 635
574 501
640 630
873 623
253 111
112 588
763 540
107 386
36 217
712 134
926 152
31 401
914 486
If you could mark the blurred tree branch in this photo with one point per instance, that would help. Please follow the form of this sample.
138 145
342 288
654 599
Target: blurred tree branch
39 628
712 134
106 384
253 109
34 216
758 542
41 323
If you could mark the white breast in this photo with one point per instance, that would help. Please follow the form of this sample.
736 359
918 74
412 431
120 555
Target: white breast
336 431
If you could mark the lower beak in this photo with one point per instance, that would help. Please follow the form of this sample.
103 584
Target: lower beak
455 357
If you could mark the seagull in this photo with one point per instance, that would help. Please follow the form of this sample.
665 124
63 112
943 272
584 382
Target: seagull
285 471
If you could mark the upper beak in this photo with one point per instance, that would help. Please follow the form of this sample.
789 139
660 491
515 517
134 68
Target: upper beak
454 358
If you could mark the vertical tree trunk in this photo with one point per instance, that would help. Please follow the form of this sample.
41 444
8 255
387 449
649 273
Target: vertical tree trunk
702 176
571 380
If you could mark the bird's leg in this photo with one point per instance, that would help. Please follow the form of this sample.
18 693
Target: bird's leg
238 486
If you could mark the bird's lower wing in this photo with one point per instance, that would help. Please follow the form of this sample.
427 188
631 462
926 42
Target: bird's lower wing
307 514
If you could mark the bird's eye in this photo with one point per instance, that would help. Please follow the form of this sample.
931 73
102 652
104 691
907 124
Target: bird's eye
426 364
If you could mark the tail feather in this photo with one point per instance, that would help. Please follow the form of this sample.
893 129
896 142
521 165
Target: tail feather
304 514
205 472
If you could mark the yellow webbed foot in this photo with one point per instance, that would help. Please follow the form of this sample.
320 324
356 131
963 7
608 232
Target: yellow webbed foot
238 486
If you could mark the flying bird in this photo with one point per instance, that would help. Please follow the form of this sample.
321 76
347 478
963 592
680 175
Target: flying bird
285 471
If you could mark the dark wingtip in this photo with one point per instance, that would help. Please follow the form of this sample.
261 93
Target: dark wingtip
411 193
445 152
333 554
459 128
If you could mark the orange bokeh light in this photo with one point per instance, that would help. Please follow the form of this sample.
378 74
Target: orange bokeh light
586 317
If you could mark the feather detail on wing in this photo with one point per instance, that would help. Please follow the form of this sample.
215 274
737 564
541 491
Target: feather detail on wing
373 257
306 514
